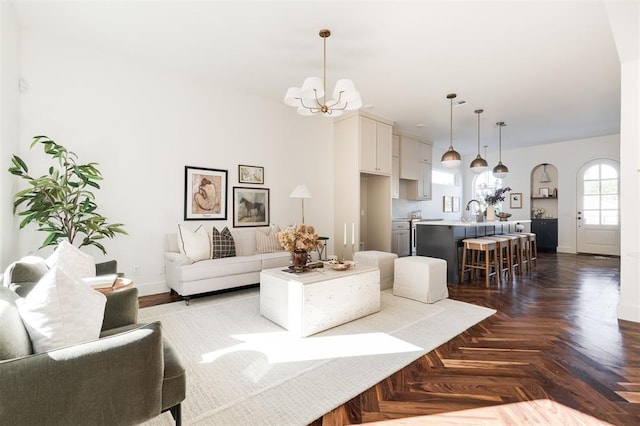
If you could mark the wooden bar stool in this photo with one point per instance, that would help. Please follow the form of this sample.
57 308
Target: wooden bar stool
505 258
522 251
533 248
482 256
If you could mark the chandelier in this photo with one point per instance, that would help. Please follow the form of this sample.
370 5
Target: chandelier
310 99
451 159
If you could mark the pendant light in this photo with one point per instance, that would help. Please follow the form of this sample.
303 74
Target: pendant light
479 165
500 171
545 176
451 159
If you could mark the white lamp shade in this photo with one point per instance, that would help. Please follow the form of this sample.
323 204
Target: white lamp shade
346 86
333 113
292 98
304 111
450 164
312 87
300 191
355 103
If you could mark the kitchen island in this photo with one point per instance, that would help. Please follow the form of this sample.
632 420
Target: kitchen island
443 239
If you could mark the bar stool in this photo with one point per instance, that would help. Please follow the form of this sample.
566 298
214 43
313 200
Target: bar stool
533 248
482 257
523 253
504 255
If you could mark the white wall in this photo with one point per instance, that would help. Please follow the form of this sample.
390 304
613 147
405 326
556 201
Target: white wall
143 124
9 66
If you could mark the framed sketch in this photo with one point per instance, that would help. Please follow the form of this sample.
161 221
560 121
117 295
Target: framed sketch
250 206
515 200
447 203
456 204
544 192
205 194
250 174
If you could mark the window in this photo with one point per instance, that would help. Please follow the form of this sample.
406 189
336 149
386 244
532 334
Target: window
443 178
601 195
484 184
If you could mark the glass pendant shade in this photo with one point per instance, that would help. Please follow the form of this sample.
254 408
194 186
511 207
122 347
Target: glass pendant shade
545 176
500 171
451 158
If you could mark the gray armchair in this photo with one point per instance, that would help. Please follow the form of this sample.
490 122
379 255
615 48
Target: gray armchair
126 377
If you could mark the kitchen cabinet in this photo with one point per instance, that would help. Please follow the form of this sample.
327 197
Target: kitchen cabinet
546 231
400 239
361 198
375 146
395 167
409 157
421 189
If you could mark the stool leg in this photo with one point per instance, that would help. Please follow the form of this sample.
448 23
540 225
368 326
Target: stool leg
487 270
464 260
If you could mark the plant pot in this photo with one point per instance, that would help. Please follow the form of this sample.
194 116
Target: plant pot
491 214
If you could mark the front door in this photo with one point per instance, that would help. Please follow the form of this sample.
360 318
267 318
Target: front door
598 208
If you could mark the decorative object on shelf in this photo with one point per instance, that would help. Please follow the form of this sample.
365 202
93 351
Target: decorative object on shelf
338 265
544 192
297 240
504 216
250 207
538 212
501 171
545 176
515 202
250 174
479 165
302 192
61 203
310 99
205 194
451 159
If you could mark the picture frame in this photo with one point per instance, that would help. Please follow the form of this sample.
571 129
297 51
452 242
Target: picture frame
250 174
456 204
205 193
544 192
250 207
515 200
447 203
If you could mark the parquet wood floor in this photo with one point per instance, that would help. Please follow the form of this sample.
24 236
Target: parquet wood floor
554 353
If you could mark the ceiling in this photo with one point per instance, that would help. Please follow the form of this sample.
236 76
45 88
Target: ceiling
548 69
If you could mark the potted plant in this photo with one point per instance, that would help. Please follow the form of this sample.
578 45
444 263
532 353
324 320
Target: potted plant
492 200
61 203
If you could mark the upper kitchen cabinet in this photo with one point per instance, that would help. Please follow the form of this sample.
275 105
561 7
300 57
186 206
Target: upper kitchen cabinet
375 138
420 188
409 157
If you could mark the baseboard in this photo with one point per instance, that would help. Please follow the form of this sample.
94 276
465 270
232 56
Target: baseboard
147 289
564 249
628 312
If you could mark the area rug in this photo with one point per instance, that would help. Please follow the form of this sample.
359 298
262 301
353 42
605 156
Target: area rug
242 369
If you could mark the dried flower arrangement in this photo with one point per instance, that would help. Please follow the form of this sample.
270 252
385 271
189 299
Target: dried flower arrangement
299 238
497 196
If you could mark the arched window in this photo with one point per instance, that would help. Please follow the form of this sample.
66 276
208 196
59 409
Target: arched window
600 195
483 184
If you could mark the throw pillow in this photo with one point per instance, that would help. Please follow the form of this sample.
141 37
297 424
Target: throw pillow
267 240
83 264
27 269
61 310
223 243
195 245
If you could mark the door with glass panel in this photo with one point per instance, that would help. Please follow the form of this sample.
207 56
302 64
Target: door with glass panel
598 208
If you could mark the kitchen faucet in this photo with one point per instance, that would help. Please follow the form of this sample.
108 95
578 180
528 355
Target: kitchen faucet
479 215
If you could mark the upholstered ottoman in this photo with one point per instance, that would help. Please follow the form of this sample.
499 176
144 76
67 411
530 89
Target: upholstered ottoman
380 259
420 278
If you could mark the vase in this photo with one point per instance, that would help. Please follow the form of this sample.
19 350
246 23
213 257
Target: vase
299 258
491 214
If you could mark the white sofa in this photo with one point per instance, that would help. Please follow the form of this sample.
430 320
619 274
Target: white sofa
187 277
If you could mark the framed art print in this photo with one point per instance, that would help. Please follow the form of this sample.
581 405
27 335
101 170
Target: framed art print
250 207
515 201
447 203
205 194
250 174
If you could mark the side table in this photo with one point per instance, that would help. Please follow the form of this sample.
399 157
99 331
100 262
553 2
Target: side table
119 284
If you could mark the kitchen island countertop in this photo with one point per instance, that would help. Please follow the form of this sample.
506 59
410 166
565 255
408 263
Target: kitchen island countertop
473 224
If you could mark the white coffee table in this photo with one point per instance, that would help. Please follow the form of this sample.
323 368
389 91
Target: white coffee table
313 301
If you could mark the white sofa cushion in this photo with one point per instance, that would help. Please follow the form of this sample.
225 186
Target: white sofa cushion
194 244
214 268
267 240
82 264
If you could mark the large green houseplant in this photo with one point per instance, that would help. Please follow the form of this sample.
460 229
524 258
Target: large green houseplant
61 203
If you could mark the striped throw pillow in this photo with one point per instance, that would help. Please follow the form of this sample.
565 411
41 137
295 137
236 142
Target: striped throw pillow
267 241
